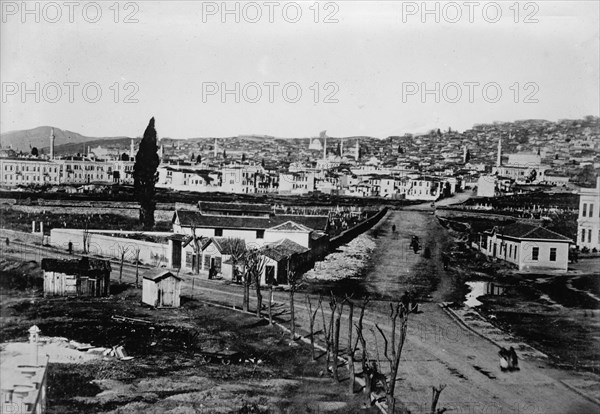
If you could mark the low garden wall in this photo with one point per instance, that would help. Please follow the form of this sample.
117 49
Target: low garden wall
347 235
154 254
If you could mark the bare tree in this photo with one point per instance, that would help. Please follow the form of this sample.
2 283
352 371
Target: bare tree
336 339
393 351
137 265
363 345
123 249
197 249
255 263
236 248
270 284
435 396
246 281
292 275
86 239
329 328
326 332
311 321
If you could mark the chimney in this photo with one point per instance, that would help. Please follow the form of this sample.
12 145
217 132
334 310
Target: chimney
499 155
52 138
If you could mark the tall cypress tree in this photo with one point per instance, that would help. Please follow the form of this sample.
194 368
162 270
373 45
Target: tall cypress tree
145 175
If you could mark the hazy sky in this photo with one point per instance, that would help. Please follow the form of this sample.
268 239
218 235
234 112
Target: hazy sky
368 68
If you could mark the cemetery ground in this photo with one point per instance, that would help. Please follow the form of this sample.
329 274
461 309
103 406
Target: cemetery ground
167 373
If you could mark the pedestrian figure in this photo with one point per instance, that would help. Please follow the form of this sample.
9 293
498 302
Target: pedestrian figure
574 255
7 242
414 244
405 300
70 248
513 359
503 353
393 228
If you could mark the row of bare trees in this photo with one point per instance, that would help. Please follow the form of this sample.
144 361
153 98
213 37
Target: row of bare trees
393 336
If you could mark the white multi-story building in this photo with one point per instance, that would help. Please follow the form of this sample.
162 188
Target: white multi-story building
297 183
16 171
187 178
35 171
240 179
588 222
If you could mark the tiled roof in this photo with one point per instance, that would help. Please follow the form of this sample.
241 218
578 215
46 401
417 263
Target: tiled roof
189 218
529 231
229 207
161 274
225 245
282 249
82 267
291 226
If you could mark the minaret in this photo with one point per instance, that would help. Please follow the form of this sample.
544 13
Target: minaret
215 149
131 150
499 156
342 148
323 135
464 154
52 138
357 151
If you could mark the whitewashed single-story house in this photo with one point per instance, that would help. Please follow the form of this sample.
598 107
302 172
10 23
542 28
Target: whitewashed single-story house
278 255
255 231
217 256
530 247
161 289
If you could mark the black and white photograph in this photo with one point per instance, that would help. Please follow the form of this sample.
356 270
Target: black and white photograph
300 207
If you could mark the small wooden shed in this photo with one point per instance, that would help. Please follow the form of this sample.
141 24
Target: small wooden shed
161 289
79 277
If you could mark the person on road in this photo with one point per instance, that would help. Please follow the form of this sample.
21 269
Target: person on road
503 353
513 359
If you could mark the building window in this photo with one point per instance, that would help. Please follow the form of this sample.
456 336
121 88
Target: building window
553 254
591 210
582 235
535 253
584 210
260 234
510 250
589 235
218 232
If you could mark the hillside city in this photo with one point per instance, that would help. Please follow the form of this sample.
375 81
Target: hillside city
505 158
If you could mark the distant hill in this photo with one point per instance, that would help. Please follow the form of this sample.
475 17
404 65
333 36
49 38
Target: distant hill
73 148
38 137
